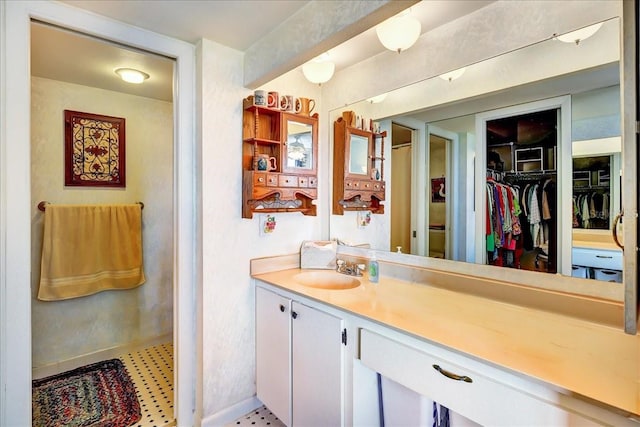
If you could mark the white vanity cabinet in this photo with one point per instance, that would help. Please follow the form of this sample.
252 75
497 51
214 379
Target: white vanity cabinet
299 353
597 258
605 264
522 371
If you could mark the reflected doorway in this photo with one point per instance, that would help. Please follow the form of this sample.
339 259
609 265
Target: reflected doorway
439 148
401 174
522 190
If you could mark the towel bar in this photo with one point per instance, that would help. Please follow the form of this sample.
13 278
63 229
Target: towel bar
43 205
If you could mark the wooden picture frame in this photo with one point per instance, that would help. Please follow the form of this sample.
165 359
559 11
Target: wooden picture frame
94 150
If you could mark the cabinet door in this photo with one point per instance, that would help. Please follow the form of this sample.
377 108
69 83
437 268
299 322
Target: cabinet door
273 372
300 142
317 367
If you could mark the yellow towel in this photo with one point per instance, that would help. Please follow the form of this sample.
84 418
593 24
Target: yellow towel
90 248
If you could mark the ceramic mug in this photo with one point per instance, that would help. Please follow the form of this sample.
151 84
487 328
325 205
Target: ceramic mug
287 103
273 99
264 163
304 106
260 98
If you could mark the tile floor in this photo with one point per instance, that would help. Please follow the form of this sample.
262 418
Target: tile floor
151 370
258 418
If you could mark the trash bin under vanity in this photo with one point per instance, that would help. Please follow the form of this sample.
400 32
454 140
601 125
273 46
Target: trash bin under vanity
580 271
607 275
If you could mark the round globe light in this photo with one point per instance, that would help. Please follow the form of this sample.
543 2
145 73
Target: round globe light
452 75
399 32
318 71
378 98
581 34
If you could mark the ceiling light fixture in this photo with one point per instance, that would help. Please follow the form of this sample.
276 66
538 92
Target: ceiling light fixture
378 98
399 32
581 34
130 75
452 75
319 70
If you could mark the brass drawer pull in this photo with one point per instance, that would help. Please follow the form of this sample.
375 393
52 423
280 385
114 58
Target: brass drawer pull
452 375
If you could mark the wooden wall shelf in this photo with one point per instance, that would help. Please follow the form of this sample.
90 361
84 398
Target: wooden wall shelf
358 168
290 141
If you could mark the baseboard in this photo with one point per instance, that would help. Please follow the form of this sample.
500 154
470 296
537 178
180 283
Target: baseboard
85 359
232 413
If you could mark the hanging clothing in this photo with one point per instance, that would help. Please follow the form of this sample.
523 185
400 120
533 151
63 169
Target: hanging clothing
535 217
503 228
591 209
533 221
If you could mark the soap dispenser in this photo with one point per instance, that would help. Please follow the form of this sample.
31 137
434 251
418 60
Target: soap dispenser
373 269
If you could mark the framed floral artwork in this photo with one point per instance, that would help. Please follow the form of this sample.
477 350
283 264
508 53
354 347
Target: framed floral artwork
94 152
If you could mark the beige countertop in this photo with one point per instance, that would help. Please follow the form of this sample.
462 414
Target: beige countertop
606 246
595 240
592 359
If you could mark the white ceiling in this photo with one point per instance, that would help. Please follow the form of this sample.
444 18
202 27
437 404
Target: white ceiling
236 23
66 56
71 57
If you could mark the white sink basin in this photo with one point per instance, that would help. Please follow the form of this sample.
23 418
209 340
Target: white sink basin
326 280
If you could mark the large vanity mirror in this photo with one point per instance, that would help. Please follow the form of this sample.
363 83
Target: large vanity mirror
541 125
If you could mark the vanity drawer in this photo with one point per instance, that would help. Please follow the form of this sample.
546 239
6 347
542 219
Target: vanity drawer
598 258
288 181
473 394
313 182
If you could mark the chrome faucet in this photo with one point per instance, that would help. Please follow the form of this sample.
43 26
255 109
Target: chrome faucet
349 268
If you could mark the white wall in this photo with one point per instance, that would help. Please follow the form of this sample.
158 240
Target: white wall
66 329
596 114
229 241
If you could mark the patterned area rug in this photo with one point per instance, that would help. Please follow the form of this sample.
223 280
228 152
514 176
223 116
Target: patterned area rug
100 394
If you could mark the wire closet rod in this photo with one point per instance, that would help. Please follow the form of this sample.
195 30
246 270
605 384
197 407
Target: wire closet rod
43 205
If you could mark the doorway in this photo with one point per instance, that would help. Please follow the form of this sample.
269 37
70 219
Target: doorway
74 71
401 176
445 218
439 158
527 153
15 395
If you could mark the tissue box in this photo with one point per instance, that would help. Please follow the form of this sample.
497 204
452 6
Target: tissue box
318 254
